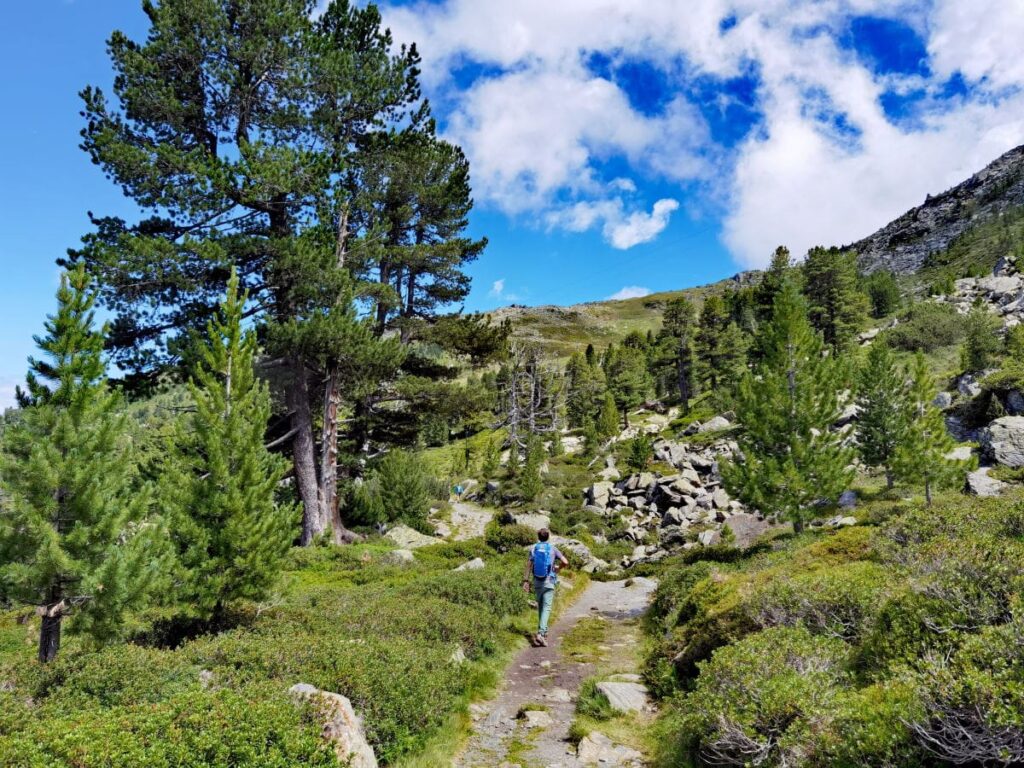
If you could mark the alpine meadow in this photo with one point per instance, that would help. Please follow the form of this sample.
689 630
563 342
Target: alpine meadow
336 445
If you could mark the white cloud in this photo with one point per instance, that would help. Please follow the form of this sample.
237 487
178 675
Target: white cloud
630 292
7 400
826 164
498 287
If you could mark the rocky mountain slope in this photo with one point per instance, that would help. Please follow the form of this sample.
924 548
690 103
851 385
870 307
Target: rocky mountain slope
904 245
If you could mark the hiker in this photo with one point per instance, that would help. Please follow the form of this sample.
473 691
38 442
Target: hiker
542 569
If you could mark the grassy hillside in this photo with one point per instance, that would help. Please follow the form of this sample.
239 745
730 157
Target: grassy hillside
560 331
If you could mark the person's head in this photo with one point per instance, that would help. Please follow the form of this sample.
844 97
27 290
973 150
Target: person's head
543 534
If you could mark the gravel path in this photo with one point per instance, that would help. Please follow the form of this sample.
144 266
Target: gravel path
544 676
468 520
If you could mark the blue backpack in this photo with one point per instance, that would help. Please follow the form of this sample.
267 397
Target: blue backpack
543 559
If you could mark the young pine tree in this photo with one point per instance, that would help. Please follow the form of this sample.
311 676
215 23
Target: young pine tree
883 292
491 458
922 456
676 348
530 483
629 380
792 458
74 535
885 409
584 390
219 480
607 424
981 340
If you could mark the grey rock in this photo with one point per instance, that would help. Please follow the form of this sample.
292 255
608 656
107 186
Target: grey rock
714 424
476 564
599 493
398 557
708 538
537 718
1003 441
536 520
1015 402
408 538
848 499
341 726
624 696
960 453
493 486
979 483
598 749
943 400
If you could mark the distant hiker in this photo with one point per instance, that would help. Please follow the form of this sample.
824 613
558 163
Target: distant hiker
542 570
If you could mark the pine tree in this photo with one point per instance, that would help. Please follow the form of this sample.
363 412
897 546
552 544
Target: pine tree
884 404
884 293
720 347
530 484
774 278
837 305
981 340
492 457
676 339
75 539
629 380
219 480
584 390
607 424
922 456
792 458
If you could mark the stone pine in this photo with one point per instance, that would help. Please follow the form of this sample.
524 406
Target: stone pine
76 538
787 405
885 409
219 481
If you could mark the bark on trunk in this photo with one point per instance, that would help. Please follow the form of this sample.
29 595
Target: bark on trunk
49 634
682 379
889 480
304 454
330 507
928 493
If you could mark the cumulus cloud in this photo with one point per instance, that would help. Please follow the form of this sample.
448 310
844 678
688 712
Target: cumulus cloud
498 287
630 292
823 163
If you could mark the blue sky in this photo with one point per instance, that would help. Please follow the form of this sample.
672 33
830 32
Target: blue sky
617 147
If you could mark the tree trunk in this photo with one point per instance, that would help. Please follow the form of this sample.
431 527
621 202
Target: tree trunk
889 479
625 418
328 490
927 492
798 526
304 454
682 379
49 633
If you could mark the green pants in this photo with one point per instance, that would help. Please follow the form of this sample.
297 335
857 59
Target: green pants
544 589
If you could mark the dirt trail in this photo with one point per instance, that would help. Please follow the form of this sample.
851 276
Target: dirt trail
468 520
543 676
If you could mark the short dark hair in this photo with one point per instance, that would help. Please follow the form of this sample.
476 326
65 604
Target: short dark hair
543 534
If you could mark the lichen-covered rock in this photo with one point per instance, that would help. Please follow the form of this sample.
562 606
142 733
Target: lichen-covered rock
1003 441
341 726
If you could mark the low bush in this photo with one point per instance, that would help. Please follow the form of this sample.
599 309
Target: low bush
508 538
927 326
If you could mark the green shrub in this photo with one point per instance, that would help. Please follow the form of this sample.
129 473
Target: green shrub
871 728
508 538
399 488
496 591
927 327
838 602
257 727
760 700
592 703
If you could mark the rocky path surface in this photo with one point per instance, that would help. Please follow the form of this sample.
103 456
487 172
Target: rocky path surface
548 681
468 520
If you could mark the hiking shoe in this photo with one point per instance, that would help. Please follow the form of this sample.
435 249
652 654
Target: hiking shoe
542 641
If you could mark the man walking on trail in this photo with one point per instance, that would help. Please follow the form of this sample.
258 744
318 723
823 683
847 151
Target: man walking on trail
543 571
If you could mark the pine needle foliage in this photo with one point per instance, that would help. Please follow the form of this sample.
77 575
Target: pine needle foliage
923 455
75 539
885 409
219 481
791 458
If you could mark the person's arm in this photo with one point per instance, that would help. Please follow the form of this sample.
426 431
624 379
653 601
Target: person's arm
561 557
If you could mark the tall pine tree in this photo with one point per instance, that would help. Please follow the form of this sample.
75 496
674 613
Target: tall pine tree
629 381
885 409
75 538
676 341
584 392
791 457
838 307
923 455
219 481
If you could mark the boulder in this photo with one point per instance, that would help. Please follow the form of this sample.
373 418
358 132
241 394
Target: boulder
598 749
943 400
591 564
715 424
624 696
408 538
720 499
476 564
493 486
398 557
537 718
708 538
1003 441
1015 402
535 520
968 386
960 453
599 493
341 727
847 499
980 484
